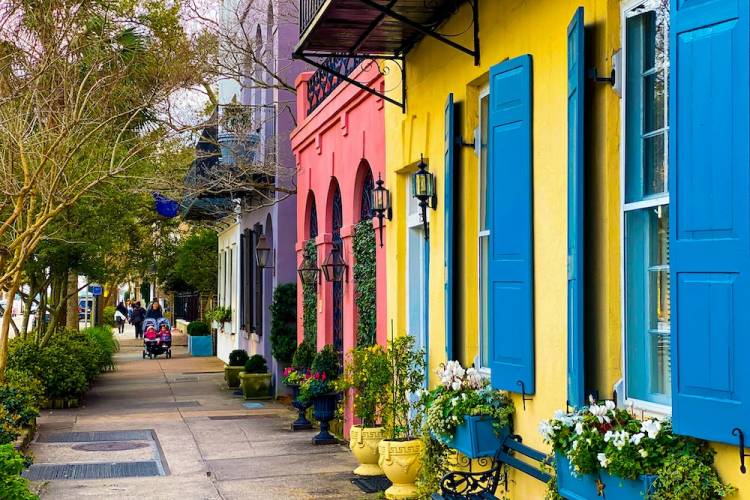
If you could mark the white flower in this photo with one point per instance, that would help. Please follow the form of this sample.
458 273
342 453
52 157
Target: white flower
651 427
603 460
600 412
636 438
643 453
579 428
620 439
455 385
608 436
610 405
546 430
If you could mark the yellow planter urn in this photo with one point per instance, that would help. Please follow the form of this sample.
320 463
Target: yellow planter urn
400 461
364 441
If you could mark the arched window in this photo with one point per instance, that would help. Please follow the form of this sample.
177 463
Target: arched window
365 211
313 228
337 222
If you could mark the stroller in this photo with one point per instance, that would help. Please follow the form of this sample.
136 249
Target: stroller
157 338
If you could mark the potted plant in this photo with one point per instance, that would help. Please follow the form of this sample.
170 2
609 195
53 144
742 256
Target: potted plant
400 451
255 379
465 413
601 449
237 360
199 339
221 315
295 375
319 388
366 377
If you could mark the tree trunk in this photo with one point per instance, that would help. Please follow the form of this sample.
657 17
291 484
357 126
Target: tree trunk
27 303
71 320
5 327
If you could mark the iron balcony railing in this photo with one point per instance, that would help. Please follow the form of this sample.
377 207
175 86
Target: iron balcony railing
322 83
307 11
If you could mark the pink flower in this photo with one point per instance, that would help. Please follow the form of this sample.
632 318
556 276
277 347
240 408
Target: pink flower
324 376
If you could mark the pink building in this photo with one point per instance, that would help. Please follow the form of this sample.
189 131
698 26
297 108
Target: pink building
339 146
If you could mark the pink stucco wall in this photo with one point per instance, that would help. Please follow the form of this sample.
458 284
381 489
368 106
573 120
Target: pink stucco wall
329 146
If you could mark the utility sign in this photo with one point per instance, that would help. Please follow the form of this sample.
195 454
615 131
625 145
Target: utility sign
95 290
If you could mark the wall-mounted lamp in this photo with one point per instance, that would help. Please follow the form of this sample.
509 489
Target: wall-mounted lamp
381 204
334 267
423 189
263 255
308 271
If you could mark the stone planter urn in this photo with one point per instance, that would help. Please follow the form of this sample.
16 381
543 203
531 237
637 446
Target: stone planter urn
324 409
232 375
256 385
400 461
301 423
364 441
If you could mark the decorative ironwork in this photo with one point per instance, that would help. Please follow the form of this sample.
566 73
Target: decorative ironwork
307 11
323 82
365 211
455 485
338 286
313 220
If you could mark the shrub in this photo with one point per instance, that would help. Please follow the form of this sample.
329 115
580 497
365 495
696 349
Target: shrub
20 396
8 430
368 373
88 354
61 372
327 361
109 316
12 464
238 357
256 364
198 328
304 355
284 322
108 344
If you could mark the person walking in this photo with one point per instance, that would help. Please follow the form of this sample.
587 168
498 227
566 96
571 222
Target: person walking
136 319
121 315
155 311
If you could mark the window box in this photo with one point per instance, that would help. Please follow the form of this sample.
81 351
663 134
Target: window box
200 345
586 488
476 437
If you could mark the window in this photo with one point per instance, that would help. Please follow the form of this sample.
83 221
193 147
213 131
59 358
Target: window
484 232
645 209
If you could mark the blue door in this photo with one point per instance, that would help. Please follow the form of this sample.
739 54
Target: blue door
710 216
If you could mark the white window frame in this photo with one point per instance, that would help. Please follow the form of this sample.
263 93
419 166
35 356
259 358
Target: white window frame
481 233
630 9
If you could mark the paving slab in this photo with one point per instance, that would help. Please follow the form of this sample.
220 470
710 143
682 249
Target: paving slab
209 444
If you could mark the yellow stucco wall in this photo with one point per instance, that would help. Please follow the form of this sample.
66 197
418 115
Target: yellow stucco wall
510 28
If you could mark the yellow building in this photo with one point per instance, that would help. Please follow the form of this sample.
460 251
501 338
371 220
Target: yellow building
590 229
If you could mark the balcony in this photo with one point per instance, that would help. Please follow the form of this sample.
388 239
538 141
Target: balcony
323 82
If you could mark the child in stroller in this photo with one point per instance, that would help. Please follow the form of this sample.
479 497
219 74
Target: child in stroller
157 338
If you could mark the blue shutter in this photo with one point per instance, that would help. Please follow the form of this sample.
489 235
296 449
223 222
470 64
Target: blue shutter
576 100
710 217
511 294
450 134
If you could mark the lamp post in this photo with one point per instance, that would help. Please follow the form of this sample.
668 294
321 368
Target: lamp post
334 267
423 189
380 202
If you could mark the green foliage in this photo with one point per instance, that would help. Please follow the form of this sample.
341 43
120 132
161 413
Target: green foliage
20 397
327 361
12 464
220 314
368 373
198 328
109 316
310 297
315 385
400 419
603 437
191 263
284 322
107 344
88 353
365 278
688 477
256 364
435 464
61 372
238 357
304 356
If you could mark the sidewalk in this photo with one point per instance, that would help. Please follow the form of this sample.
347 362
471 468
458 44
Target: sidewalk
204 444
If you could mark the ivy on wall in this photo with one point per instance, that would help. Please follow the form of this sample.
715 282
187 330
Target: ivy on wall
310 298
364 279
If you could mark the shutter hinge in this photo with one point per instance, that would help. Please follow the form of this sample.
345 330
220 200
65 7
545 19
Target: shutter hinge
741 435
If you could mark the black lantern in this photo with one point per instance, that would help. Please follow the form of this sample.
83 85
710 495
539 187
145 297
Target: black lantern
380 202
334 267
308 272
423 189
263 253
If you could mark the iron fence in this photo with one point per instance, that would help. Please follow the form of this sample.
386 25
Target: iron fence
187 306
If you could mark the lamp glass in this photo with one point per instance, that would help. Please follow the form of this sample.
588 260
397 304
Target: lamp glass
262 251
334 266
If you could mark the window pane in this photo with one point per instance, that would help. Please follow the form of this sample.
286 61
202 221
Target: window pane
654 161
648 33
647 299
484 105
653 102
484 329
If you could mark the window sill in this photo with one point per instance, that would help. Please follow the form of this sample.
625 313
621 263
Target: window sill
645 409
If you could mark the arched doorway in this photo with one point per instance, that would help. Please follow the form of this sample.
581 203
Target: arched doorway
337 222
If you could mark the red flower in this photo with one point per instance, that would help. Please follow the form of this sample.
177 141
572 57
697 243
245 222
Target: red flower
324 376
